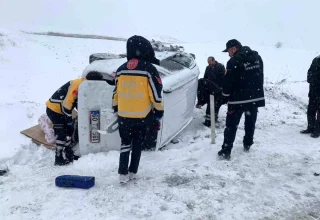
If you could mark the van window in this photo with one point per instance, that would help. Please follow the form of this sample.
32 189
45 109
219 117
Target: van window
177 62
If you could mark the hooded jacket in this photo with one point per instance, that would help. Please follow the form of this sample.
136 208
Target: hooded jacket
243 82
138 84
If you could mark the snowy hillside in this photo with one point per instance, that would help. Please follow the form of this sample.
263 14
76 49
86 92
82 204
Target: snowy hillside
275 180
263 22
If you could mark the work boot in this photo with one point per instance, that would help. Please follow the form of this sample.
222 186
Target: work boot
246 148
207 123
123 179
223 154
307 131
132 176
59 158
315 134
198 105
216 118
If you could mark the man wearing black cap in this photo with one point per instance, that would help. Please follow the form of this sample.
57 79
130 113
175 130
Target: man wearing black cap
243 85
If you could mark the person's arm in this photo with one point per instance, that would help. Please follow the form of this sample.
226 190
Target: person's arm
206 73
221 71
70 99
155 92
228 78
115 96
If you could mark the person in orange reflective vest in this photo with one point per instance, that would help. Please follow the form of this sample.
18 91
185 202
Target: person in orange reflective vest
59 110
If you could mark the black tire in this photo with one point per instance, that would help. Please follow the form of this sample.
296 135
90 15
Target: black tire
100 56
104 56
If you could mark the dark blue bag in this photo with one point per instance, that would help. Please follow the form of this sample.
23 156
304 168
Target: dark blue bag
83 182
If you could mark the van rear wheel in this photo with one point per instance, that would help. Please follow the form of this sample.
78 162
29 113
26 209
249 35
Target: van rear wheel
105 56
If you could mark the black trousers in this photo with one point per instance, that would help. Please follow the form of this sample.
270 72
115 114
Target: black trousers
133 134
151 137
62 131
205 89
232 122
313 114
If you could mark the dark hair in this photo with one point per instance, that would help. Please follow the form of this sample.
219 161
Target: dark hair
94 75
212 58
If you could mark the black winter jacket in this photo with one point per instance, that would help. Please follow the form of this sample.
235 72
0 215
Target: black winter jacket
243 82
314 78
215 74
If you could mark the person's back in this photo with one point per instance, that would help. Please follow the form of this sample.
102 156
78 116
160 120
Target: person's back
313 77
64 100
59 110
137 100
313 112
138 89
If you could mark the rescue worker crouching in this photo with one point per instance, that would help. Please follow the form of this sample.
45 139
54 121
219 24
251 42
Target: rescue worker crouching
211 84
243 86
59 110
137 99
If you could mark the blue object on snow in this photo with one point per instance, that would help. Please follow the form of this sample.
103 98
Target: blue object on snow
75 181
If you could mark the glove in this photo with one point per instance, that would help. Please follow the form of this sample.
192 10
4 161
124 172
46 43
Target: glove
158 124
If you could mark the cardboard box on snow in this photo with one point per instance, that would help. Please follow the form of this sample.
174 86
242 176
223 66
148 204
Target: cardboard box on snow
37 135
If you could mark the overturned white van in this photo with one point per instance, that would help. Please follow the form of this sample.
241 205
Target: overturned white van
97 124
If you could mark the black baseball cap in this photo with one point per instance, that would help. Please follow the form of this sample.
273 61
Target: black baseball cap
232 43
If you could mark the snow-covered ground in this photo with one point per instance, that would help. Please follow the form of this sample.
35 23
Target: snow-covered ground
275 180
183 181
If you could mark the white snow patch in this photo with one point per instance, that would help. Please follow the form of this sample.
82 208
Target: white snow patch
183 181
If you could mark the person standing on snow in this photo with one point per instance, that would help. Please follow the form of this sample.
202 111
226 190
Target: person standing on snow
243 86
211 83
59 110
137 100
313 112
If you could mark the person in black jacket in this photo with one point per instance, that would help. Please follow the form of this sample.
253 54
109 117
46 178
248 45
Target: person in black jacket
313 112
137 99
243 85
211 83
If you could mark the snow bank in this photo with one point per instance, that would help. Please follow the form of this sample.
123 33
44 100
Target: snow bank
264 22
